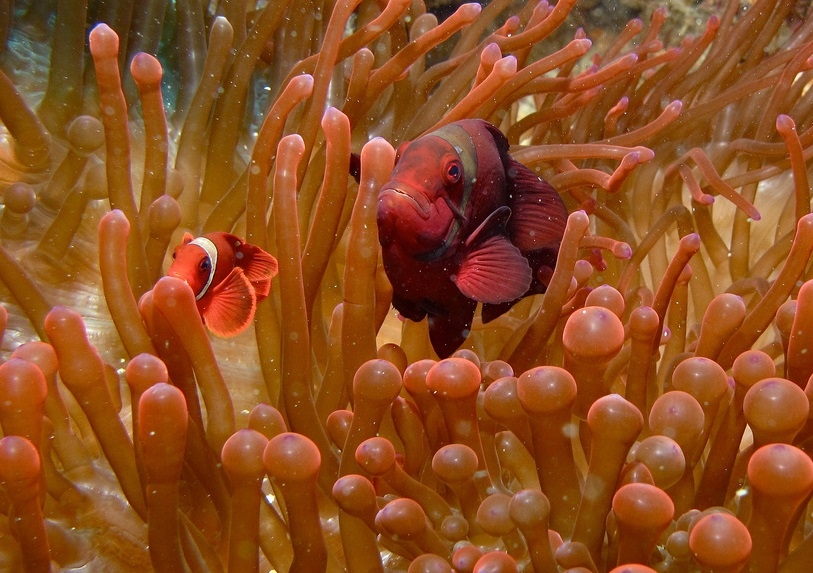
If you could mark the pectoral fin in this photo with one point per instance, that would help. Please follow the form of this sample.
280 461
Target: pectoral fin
233 304
494 272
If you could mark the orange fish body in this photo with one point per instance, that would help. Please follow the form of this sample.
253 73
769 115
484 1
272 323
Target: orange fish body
462 222
228 276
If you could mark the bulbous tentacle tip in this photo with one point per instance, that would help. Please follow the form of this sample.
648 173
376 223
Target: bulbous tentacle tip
720 540
546 389
355 493
104 42
377 380
752 366
454 463
703 378
679 416
633 568
242 456
164 216
529 508
291 457
429 563
470 10
641 505
776 410
496 562
376 455
21 381
493 515
267 420
114 221
162 428
144 371
454 378
593 333
465 557
614 417
19 463
781 470
785 123
663 457
402 517
169 289
85 135
40 353
146 70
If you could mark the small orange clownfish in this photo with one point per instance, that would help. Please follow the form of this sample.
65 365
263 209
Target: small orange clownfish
228 276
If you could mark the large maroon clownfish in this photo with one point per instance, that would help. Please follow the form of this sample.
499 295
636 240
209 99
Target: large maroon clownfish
228 276
461 222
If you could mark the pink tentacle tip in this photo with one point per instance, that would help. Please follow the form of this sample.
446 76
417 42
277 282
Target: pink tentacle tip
302 83
470 11
785 124
622 251
162 426
506 66
491 53
171 289
593 333
146 69
21 381
377 380
454 378
376 455
496 562
19 462
104 42
674 108
292 457
242 455
781 470
145 370
114 221
720 540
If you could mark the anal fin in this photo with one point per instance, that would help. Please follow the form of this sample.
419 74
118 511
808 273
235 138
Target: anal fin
448 331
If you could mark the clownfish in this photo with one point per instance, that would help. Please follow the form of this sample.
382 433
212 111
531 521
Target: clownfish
228 276
462 222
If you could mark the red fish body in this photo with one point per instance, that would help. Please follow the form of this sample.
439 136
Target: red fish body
461 222
228 276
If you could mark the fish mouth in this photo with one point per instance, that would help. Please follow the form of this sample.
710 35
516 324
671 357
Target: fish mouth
416 198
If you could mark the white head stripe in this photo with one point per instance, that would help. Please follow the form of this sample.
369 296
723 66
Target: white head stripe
211 251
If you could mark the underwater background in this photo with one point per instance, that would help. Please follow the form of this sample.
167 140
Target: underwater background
651 408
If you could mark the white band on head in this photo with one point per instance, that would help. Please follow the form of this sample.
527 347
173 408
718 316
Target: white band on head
211 251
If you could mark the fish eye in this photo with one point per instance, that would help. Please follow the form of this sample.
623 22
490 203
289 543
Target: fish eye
453 172
205 265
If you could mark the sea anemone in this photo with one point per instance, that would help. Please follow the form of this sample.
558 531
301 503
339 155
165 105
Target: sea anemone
649 411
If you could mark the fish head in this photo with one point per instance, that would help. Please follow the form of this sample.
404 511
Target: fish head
417 206
202 262
191 263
